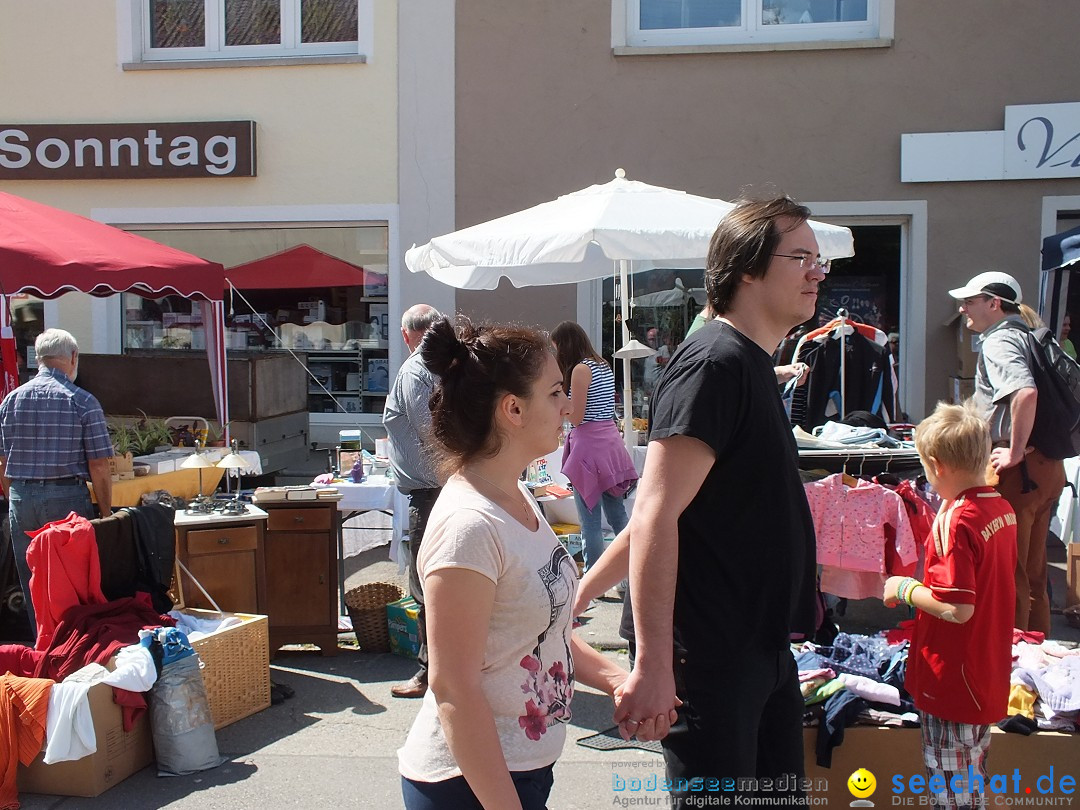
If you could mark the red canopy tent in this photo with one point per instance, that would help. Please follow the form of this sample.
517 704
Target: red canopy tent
47 252
299 267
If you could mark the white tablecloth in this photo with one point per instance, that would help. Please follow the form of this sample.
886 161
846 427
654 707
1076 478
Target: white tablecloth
375 494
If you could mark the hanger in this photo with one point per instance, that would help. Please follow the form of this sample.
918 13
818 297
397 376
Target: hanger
846 479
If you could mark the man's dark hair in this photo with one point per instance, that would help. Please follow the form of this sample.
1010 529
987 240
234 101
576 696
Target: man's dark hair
743 244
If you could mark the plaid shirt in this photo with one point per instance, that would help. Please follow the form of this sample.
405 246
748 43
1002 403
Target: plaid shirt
50 427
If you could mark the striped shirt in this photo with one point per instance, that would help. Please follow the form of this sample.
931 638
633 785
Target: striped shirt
600 398
407 419
50 428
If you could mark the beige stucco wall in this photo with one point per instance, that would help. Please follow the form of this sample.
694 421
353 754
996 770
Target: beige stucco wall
561 112
326 134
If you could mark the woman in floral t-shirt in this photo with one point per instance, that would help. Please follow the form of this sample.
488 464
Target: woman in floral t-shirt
498 585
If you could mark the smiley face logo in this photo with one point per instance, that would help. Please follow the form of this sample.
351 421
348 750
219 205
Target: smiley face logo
862 784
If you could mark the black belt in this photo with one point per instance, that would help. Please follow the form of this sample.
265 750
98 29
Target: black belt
424 493
71 479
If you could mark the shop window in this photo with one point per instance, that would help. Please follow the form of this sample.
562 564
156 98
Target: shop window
226 29
338 325
659 23
27 322
664 303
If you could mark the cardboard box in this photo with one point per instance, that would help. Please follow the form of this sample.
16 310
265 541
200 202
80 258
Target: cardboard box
403 623
377 375
896 752
119 754
119 464
158 463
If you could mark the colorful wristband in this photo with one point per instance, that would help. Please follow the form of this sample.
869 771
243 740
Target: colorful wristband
909 585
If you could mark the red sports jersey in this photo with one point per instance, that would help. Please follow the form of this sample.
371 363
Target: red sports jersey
960 672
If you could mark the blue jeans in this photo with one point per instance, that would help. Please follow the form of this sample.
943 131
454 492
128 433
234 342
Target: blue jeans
533 788
31 506
592 536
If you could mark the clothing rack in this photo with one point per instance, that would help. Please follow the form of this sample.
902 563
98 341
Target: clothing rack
842 314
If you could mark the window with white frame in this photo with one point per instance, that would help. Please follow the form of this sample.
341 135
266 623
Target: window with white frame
658 23
209 29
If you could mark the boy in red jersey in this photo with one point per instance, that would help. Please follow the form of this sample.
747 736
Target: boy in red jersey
961 653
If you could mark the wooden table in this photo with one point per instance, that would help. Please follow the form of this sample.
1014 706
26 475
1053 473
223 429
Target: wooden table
182 483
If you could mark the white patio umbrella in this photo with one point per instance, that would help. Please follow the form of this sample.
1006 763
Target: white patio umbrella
578 236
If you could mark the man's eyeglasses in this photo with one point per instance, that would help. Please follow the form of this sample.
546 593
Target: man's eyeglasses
807 261
967 302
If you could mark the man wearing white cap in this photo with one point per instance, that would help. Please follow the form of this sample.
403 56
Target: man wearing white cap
1006 395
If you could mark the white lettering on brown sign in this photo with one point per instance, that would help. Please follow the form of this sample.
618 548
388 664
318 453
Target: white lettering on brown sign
127 151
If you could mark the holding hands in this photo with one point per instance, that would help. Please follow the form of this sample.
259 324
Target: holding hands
639 703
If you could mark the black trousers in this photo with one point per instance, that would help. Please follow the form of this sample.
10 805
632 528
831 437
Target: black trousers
740 720
421 502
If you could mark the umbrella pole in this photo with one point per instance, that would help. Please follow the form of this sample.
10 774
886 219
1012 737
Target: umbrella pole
629 434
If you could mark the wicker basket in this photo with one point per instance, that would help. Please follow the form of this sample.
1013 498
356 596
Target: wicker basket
236 666
366 605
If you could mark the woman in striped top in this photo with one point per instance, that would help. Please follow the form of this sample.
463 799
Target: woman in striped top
595 459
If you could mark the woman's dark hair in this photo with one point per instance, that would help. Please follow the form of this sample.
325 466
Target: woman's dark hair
476 365
743 244
572 346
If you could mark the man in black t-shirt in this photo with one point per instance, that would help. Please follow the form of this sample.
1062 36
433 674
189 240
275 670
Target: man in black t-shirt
722 553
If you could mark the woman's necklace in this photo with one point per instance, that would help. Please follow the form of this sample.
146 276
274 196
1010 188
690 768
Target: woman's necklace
524 505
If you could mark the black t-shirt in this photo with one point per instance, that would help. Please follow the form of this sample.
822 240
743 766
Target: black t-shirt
747 560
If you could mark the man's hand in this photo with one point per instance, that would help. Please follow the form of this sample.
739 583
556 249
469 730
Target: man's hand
1002 458
645 705
785 373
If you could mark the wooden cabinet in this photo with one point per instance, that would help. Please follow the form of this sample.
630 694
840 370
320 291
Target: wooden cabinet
300 550
226 556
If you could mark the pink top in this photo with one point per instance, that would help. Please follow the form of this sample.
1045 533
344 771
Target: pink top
595 460
850 524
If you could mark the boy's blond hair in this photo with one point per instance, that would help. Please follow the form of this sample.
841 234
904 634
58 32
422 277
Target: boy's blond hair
956 436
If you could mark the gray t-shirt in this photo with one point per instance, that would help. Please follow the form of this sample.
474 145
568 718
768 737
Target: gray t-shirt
1004 368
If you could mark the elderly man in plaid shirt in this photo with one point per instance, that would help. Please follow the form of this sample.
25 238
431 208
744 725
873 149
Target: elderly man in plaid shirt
53 437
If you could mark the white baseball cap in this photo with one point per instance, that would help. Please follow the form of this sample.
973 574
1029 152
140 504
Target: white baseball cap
999 285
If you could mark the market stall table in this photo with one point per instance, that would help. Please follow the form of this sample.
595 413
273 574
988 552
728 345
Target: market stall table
181 483
376 493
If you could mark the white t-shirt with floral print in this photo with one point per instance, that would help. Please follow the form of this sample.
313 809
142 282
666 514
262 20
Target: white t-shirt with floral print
527 674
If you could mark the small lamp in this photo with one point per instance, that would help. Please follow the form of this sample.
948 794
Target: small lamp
197 461
233 461
634 349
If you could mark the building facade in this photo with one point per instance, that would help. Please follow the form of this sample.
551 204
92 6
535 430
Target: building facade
263 136
814 98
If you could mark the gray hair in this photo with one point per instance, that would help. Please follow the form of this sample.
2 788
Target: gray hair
55 343
419 317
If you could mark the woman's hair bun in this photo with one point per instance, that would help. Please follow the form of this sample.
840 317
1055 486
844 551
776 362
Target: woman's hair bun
441 347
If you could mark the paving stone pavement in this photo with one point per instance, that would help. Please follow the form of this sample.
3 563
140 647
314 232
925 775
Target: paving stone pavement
334 743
